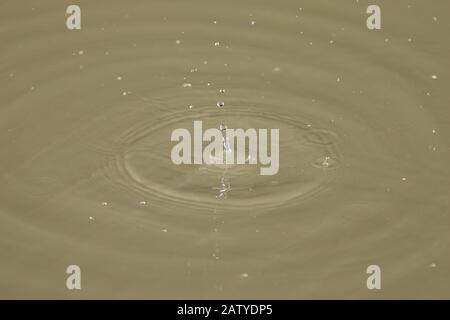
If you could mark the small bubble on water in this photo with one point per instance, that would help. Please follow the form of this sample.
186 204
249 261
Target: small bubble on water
433 265
81 52
220 104
276 69
104 203
223 127
434 131
143 203
91 218
222 91
164 230
191 106
216 44
434 77
119 78
253 23
244 275
187 85
435 18
403 179
177 41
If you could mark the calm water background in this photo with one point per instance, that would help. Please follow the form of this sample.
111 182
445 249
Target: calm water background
85 170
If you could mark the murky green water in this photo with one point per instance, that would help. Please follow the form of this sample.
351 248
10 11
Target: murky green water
86 175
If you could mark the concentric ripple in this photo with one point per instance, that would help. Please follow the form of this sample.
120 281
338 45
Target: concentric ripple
146 151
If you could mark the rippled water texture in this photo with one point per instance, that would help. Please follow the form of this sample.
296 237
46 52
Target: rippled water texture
86 175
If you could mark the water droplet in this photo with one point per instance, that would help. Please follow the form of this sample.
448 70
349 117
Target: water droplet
434 77
164 230
91 218
325 162
143 203
252 23
177 41
81 52
119 78
190 106
222 91
187 85
244 275
104 203
432 265
220 104
403 179
216 44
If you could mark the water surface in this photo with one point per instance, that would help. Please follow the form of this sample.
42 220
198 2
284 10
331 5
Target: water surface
86 175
